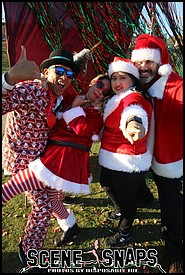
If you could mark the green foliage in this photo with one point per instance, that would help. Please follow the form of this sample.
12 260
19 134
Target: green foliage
5 65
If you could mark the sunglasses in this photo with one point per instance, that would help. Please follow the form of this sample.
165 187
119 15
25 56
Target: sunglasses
60 71
101 85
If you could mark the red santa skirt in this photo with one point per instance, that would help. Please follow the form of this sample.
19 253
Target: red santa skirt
64 168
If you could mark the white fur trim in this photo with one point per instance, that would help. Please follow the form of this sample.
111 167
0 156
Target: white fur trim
168 170
55 182
65 224
121 66
151 134
157 89
95 138
146 54
73 113
81 54
5 85
114 102
165 70
124 162
133 110
7 173
59 115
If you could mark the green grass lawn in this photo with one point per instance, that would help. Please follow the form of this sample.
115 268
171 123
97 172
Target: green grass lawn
90 212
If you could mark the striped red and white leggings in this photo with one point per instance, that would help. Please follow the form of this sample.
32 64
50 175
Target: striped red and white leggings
44 201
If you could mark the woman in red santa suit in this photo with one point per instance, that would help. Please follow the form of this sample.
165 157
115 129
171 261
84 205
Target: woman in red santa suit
151 57
125 155
65 165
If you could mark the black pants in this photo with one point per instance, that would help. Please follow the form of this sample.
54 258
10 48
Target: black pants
124 187
171 205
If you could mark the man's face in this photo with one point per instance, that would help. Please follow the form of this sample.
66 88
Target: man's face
147 70
59 78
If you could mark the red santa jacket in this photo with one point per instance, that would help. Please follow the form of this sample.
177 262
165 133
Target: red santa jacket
168 111
65 167
116 152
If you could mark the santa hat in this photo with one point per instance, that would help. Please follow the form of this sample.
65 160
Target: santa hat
123 65
148 47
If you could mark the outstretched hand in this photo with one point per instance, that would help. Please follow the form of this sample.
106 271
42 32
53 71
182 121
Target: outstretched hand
135 131
23 70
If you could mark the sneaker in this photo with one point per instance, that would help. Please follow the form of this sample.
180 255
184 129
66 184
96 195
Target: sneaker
118 239
21 254
113 216
175 267
68 200
68 236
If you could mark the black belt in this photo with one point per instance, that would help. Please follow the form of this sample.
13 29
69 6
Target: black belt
70 144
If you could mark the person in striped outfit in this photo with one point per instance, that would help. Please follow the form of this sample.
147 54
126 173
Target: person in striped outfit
31 107
64 165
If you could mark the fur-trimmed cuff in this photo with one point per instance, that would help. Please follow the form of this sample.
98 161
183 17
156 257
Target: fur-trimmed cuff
73 113
133 110
5 85
65 224
59 115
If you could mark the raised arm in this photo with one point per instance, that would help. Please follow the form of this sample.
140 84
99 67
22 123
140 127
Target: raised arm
23 70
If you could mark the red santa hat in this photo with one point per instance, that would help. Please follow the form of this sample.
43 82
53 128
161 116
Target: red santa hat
123 65
148 47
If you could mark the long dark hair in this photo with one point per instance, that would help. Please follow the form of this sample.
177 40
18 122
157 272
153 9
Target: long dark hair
140 88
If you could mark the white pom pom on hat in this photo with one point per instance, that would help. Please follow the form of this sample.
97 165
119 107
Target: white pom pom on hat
123 65
153 48
95 138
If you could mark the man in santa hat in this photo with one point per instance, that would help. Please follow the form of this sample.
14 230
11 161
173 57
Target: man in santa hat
151 57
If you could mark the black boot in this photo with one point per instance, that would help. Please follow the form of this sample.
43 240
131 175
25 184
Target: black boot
22 255
67 236
68 200
23 259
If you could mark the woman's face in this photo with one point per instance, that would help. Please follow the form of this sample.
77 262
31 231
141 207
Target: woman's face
121 82
98 90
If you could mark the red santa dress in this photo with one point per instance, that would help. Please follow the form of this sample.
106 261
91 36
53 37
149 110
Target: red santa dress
116 152
64 167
